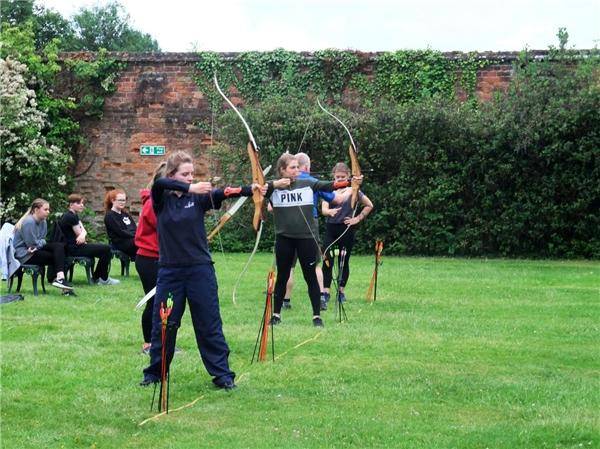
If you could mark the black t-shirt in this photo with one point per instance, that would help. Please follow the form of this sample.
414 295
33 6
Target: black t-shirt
66 223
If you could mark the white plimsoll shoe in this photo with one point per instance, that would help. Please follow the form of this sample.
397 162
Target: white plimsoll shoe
108 281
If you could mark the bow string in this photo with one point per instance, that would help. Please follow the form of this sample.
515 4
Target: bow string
257 178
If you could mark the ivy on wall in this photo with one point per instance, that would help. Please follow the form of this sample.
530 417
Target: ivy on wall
400 76
515 176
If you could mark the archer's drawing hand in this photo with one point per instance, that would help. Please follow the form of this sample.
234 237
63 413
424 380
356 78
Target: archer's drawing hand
282 183
201 187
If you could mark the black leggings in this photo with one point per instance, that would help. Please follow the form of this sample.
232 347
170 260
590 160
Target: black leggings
52 254
99 250
147 268
333 231
307 251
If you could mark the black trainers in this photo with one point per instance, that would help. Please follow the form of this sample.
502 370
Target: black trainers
275 320
228 385
62 284
318 322
148 380
342 297
287 304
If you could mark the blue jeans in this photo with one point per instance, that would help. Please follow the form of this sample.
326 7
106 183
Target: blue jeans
197 284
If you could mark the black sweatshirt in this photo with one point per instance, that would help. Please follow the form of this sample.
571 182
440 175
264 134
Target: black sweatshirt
120 227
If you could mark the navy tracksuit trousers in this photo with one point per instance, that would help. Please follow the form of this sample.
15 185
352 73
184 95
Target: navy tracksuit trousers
197 284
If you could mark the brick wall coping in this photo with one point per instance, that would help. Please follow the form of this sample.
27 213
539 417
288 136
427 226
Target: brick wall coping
502 56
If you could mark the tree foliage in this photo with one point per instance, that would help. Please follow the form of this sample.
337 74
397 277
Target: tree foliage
39 122
90 29
27 156
516 176
108 27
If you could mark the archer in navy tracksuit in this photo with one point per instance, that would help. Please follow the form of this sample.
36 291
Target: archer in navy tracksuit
186 271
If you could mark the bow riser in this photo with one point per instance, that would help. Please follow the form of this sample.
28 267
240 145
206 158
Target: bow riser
355 174
257 178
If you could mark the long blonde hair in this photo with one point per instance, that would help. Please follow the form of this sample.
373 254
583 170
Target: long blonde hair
175 160
37 203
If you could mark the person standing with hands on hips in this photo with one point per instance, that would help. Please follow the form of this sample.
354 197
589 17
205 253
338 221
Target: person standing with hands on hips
186 269
340 232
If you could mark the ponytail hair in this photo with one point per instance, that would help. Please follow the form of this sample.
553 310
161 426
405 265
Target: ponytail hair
37 203
159 172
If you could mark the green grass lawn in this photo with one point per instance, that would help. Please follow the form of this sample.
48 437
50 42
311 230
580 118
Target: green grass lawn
455 353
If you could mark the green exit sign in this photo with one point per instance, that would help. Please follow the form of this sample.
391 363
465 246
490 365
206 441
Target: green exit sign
152 150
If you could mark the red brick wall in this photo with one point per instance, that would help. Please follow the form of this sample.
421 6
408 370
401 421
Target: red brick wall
491 79
158 103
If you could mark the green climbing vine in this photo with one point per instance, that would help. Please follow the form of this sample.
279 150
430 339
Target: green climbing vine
399 76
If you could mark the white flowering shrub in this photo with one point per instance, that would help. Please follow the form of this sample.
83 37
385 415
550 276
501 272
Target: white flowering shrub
29 167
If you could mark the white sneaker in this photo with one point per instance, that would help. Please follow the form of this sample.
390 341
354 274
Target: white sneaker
108 281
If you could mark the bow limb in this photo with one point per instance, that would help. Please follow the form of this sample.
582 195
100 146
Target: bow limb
257 177
353 151
248 130
253 152
356 173
341 123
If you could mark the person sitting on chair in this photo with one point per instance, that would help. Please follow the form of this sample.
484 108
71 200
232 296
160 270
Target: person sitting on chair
75 235
120 226
31 246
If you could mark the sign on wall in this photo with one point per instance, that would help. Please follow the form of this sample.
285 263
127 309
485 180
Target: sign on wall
152 150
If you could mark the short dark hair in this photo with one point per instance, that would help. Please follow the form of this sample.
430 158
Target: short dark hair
75 198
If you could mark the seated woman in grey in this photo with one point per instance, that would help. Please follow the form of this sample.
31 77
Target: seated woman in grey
31 246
